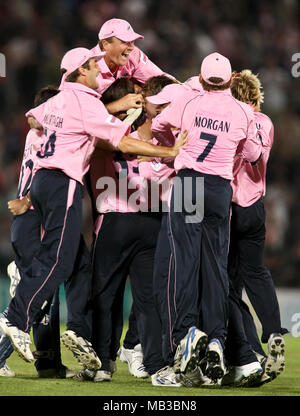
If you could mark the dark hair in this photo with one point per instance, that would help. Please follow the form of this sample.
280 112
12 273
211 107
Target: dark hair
109 40
44 94
155 84
75 74
117 90
215 86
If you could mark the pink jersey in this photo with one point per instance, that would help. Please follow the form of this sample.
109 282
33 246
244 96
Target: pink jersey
161 171
32 145
72 121
138 67
116 183
194 83
249 183
216 123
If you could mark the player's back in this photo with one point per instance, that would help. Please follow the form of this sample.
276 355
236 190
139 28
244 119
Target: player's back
249 183
32 145
216 123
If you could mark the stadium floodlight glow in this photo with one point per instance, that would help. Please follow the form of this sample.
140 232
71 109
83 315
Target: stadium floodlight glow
2 66
296 67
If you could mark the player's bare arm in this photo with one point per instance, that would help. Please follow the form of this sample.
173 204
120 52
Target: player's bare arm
138 147
124 103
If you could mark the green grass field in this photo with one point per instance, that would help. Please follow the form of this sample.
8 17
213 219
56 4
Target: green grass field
26 382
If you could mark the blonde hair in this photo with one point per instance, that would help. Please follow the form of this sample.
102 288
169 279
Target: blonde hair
246 87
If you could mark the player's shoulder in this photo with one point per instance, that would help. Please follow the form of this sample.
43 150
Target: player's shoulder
137 56
245 108
263 120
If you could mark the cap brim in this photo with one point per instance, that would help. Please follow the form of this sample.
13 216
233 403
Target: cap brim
129 37
156 100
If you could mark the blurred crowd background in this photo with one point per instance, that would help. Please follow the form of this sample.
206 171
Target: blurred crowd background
256 34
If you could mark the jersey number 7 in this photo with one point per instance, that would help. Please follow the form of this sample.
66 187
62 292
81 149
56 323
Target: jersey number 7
211 142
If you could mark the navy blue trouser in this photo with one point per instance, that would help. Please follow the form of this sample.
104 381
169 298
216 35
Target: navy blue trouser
132 337
246 265
125 246
57 200
26 240
238 348
196 287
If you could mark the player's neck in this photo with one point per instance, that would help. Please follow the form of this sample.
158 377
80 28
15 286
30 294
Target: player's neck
111 65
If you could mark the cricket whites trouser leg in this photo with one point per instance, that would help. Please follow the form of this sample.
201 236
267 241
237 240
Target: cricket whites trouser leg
57 199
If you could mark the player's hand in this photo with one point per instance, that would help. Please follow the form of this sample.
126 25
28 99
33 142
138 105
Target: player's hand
180 142
33 123
19 206
129 101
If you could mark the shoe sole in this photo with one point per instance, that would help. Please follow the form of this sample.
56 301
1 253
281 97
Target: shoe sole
275 362
213 370
190 363
13 280
19 351
276 346
87 360
274 365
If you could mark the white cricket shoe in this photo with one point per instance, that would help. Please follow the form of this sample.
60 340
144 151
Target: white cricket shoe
102 375
20 340
275 361
14 275
244 374
5 371
134 359
165 377
190 347
213 365
82 350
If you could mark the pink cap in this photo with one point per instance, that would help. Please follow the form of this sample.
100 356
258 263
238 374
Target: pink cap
216 65
167 94
74 58
120 29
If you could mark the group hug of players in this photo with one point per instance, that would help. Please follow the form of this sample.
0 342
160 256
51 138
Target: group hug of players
121 128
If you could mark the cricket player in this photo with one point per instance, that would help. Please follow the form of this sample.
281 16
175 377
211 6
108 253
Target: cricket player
217 124
122 60
246 256
26 238
71 121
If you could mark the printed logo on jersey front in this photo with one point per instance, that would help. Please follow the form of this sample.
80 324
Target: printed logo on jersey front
111 120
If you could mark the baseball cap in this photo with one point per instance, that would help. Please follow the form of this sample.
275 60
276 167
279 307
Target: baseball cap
76 57
216 65
167 94
120 29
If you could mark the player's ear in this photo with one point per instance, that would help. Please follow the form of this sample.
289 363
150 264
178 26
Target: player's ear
82 70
